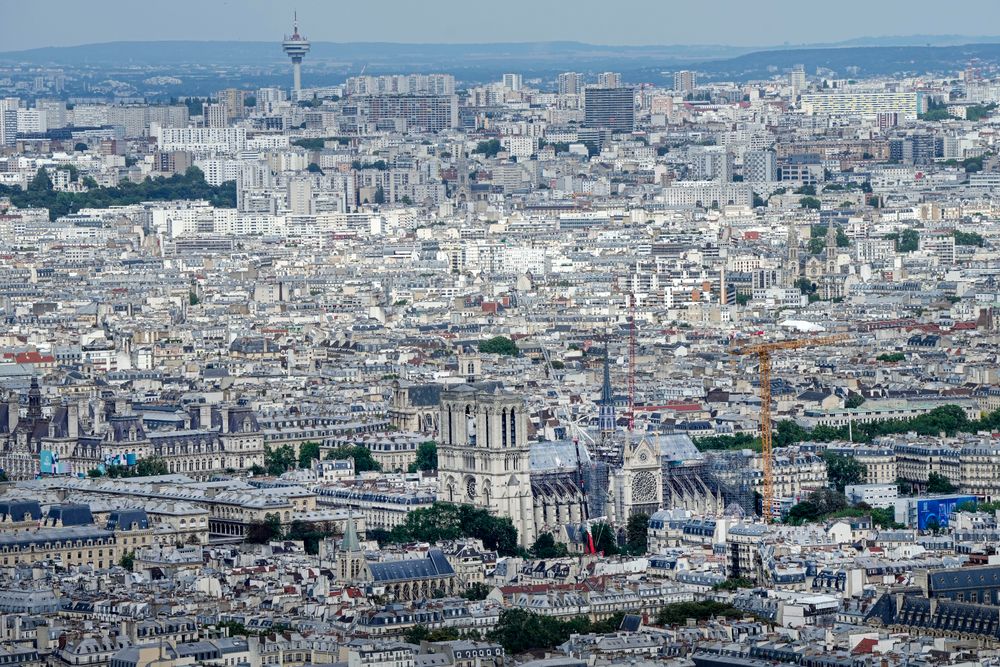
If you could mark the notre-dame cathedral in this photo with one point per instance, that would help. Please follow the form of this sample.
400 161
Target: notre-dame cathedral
485 459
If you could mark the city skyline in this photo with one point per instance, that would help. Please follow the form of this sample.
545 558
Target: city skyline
451 23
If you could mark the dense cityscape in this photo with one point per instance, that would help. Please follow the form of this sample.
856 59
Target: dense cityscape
426 369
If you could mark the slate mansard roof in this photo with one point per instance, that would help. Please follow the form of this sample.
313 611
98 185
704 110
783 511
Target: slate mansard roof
432 566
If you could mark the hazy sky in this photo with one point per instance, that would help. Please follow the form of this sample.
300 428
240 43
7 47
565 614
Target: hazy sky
27 24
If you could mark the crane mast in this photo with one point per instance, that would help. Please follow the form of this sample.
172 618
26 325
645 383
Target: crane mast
763 353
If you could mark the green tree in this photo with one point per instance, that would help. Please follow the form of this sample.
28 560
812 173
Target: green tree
363 459
256 470
742 299
938 483
805 285
310 534
499 345
80 147
447 521
727 442
636 534
190 185
427 457
520 631
842 471
907 240
128 560
545 546
279 460
854 401
734 584
477 591
819 503
308 452
891 357
193 298
809 190
153 465
379 195
679 613
969 238
885 517
488 148
262 532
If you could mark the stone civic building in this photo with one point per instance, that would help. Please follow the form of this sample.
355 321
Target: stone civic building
83 436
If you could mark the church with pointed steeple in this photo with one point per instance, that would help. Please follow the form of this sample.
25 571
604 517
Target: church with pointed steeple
400 580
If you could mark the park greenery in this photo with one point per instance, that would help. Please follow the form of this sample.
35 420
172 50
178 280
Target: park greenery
448 521
308 532
190 185
237 629
969 238
734 584
148 467
520 630
827 504
320 144
545 546
891 357
947 419
907 240
499 345
488 148
363 459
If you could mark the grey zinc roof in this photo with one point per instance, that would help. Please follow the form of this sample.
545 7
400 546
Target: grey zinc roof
433 566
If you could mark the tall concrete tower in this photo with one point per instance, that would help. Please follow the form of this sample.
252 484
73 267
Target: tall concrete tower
296 47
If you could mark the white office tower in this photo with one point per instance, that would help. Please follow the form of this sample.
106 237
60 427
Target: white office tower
797 79
217 115
513 81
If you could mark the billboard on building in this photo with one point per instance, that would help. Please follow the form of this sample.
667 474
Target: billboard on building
934 512
47 460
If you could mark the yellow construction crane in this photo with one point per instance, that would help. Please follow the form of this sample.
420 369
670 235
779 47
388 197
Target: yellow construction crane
763 352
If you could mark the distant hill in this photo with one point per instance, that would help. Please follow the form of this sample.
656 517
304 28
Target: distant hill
204 66
265 53
852 61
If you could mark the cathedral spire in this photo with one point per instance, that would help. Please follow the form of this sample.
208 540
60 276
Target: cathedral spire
606 415
792 269
350 543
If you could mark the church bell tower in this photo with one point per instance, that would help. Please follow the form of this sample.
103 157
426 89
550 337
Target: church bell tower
484 456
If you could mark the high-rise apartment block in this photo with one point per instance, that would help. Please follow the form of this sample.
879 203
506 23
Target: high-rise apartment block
432 113
760 166
570 83
609 108
609 80
684 81
905 104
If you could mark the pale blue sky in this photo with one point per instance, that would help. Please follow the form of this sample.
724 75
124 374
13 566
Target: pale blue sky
736 22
